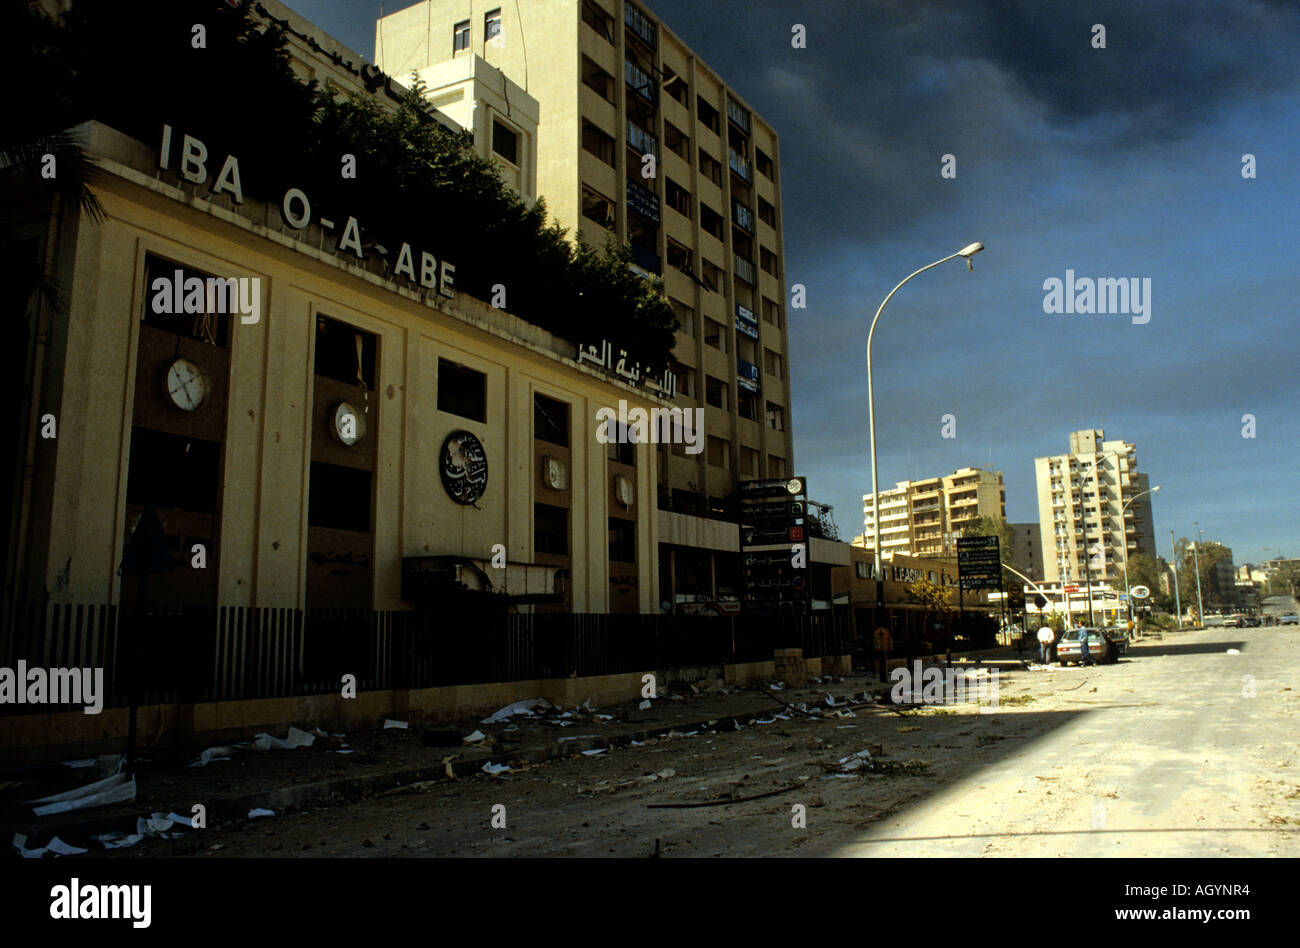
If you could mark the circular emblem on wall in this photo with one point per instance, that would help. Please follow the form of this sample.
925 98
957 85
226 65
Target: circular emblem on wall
463 466
349 423
187 386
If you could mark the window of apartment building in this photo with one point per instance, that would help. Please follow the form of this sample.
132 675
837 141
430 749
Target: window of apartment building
596 207
767 260
775 416
462 391
492 26
505 142
747 405
595 17
621 450
719 452
550 530
677 141
675 85
182 473
679 258
710 221
210 327
338 497
622 540
746 348
763 162
710 275
710 167
550 420
772 363
460 37
775 466
677 197
715 334
749 462
597 79
597 142
715 392
766 212
685 316
707 113
771 312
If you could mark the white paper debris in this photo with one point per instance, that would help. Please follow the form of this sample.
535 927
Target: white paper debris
519 707
1233 651
390 723
259 811
604 717
117 840
184 821
78 764
295 738
114 789
593 753
60 848
491 768
475 737
645 705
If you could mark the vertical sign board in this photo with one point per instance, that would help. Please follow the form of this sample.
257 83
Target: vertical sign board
979 563
772 523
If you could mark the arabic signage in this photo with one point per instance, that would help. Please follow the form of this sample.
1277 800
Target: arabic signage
979 563
746 322
747 375
777 577
602 356
464 468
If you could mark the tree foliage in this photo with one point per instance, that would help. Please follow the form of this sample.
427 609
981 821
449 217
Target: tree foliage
931 595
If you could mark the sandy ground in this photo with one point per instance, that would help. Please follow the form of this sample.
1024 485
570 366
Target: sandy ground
1180 749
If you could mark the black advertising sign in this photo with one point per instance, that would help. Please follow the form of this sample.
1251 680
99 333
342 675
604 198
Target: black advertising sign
979 563
776 578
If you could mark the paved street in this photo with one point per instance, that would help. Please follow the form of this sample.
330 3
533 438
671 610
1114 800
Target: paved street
1160 755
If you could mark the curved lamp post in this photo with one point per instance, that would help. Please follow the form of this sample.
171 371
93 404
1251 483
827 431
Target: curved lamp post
967 252
1128 593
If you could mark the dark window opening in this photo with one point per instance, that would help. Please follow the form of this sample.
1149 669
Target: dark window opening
597 79
505 142
492 24
598 143
462 391
339 497
622 541
596 207
711 221
598 19
460 36
344 353
173 472
620 450
550 420
707 113
211 325
550 530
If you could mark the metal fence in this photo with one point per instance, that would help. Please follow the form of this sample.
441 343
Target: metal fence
182 655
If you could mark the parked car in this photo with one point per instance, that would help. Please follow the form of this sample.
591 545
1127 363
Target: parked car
1100 647
1117 637
1289 619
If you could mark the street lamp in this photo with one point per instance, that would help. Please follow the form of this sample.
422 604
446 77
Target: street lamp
967 252
1196 564
1128 593
1178 606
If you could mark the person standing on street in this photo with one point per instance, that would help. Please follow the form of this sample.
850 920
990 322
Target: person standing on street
1046 637
1085 656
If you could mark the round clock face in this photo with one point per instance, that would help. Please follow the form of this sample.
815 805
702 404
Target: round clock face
187 386
794 486
349 423
463 466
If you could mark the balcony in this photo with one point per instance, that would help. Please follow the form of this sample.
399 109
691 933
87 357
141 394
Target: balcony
739 165
743 217
644 201
642 140
745 270
639 82
641 25
738 115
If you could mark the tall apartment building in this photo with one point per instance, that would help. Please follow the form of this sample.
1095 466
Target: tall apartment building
671 161
924 518
1026 553
1081 501
705 214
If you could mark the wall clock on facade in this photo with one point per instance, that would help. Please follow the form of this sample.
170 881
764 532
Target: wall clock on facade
464 469
555 473
187 386
349 424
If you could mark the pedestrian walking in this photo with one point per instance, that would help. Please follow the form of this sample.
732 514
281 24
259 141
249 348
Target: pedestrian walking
1046 638
1085 656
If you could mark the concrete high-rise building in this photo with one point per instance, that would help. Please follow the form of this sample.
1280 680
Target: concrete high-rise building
1026 553
924 518
1080 498
671 161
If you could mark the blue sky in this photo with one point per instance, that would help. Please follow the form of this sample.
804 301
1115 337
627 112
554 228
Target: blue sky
1116 162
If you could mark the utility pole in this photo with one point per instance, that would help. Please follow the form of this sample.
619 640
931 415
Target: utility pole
1178 606
1196 560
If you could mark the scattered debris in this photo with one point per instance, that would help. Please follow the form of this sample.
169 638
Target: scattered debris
390 723
115 789
1233 651
519 707
494 769
475 738
644 705
295 738
259 811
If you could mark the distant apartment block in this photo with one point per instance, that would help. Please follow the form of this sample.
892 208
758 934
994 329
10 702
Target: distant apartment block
924 517
1084 525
